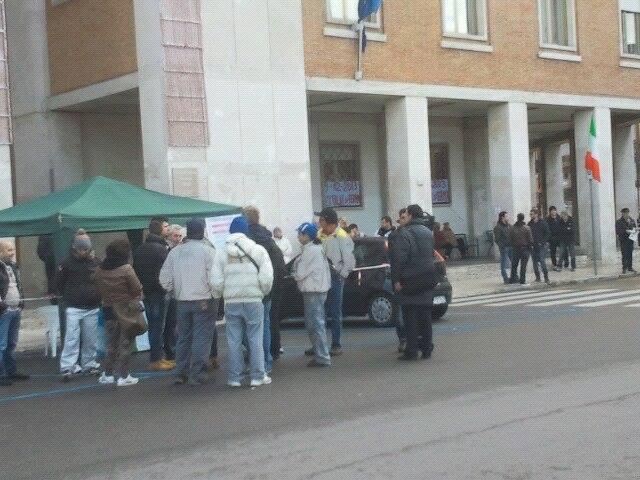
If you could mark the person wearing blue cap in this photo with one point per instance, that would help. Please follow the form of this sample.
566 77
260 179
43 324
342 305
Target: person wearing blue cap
242 274
313 276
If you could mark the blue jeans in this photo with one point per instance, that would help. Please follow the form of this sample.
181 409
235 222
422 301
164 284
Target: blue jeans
315 321
196 326
154 304
266 336
334 308
539 259
506 256
9 330
245 319
169 335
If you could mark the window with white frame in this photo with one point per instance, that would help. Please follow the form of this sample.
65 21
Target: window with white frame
345 12
631 33
557 24
465 18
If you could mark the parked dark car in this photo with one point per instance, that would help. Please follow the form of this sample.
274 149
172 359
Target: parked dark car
368 290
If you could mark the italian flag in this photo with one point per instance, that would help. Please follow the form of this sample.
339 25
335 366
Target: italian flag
591 162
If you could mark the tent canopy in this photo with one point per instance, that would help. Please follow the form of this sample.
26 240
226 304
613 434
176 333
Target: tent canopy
102 205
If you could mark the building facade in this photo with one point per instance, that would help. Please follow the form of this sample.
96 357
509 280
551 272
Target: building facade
465 107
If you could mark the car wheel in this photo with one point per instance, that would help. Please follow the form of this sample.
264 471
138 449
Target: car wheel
438 312
382 310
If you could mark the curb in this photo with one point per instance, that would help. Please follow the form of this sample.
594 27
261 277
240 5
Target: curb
544 286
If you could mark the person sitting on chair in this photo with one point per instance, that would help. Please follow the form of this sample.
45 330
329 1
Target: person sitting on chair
451 241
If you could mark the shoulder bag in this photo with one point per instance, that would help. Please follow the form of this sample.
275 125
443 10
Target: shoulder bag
131 317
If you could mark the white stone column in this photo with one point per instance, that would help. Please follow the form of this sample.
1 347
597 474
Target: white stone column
408 157
151 80
509 169
253 56
476 158
624 169
554 176
604 204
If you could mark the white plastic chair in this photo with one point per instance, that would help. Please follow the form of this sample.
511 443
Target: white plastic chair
50 314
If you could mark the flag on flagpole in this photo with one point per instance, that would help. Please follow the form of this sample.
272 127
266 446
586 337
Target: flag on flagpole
366 8
591 162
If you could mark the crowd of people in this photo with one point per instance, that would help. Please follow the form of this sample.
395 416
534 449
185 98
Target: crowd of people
521 241
172 286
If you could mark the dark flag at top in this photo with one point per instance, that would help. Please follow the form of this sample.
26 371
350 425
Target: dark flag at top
366 8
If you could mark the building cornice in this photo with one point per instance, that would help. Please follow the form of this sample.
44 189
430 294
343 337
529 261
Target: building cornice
373 87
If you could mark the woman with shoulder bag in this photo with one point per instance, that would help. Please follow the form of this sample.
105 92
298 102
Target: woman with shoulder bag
121 293
414 278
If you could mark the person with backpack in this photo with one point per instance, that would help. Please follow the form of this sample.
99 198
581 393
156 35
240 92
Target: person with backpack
313 276
242 275
414 277
271 334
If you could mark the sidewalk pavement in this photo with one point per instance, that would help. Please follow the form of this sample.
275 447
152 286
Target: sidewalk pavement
472 277
468 277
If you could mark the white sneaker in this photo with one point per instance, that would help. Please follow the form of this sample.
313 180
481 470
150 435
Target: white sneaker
234 384
106 379
265 381
125 382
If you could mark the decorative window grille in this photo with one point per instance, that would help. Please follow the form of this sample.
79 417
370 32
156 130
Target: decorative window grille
184 73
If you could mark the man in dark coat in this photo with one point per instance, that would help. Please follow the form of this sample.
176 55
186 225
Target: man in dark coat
413 277
263 237
541 234
501 237
555 230
148 259
625 226
47 255
521 242
567 242
77 284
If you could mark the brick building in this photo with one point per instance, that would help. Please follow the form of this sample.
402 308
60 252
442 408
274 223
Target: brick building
467 107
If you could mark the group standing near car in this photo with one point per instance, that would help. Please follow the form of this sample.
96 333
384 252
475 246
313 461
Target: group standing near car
171 287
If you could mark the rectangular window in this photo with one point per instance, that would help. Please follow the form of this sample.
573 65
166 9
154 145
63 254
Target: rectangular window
557 24
631 33
465 18
440 182
346 12
340 175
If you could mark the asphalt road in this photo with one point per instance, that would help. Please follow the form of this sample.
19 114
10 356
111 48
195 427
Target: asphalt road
369 415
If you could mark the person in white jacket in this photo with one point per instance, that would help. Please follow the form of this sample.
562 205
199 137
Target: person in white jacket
242 275
312 274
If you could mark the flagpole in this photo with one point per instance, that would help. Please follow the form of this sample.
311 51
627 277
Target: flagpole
593 225
360 27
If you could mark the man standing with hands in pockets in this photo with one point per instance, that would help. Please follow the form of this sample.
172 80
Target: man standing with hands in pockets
338 248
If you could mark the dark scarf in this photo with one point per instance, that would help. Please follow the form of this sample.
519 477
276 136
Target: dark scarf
111 263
